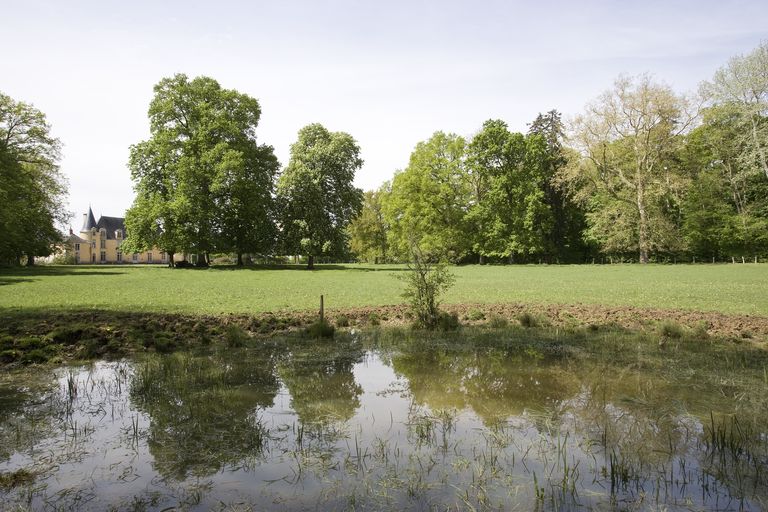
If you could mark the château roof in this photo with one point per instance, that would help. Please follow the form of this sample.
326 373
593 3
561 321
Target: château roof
89 222
111 224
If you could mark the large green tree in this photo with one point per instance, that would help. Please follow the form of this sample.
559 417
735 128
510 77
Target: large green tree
563 241
743 84
428 203
316 195
203 181
627 139
368 232
508 212
32 189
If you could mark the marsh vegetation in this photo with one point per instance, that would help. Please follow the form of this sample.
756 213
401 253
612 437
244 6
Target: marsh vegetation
491 417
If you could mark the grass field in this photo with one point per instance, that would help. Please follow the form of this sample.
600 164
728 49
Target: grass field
741 288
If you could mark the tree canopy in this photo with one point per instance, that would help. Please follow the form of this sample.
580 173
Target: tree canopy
32 188
202 180
316 195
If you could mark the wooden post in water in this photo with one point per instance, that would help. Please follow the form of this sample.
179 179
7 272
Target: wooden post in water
322 310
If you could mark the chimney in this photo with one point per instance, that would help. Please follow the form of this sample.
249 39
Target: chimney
70 231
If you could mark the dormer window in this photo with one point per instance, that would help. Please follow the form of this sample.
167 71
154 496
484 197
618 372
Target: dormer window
93 231
103 232
119 234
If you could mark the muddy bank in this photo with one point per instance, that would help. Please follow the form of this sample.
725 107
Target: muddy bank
41 336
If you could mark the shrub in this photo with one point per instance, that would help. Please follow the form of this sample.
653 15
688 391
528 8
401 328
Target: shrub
321 329
235 336
670 329
342 321
373 319
526 319
475 315
424 283
497 321
448 321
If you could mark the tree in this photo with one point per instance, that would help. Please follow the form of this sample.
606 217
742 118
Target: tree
507 211
563 242
743 84
202 180
626 139
368 231
244 204
316 196
428 203
726 206
32 189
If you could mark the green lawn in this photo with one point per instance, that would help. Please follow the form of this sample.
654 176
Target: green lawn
740 288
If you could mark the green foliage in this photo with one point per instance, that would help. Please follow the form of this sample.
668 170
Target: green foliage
316 194
424 284
496 321
670 329
368 231
428 201
235 336
321 329
32 189
475 315
203 182
626 175
527 319
342 321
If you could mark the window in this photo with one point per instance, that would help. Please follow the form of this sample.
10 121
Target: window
93 244
103 244
119 234
119 257
93 231
102 232
77 247
149 257
163 257
135 257
103 256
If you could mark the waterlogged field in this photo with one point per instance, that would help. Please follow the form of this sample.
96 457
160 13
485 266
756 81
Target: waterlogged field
504 418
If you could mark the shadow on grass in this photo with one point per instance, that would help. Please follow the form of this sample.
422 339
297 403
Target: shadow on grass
18 275
318 267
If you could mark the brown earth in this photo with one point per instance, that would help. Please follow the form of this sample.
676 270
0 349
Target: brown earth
37 336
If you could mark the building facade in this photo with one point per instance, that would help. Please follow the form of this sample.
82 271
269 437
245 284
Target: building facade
99 243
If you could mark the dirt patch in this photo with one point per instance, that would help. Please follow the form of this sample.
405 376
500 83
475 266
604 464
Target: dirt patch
41 336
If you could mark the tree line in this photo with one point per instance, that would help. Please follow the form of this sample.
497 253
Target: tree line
643 173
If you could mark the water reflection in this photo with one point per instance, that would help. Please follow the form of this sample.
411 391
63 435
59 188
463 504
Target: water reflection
204 412
414 426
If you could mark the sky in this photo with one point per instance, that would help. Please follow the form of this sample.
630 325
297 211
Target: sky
390 73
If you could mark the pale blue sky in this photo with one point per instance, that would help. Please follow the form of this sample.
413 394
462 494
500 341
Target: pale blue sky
388 72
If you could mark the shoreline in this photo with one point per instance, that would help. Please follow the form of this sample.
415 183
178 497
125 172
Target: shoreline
38 336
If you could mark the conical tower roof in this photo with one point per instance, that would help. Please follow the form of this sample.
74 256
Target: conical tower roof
89 221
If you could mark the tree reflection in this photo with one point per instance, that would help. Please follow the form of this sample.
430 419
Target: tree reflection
493 383
321 382
204 410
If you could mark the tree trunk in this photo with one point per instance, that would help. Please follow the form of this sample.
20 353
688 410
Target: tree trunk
171 263
30 260
239 259
482 259
311 262
643 227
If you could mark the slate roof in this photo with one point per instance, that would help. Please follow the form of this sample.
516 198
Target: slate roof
111 224
90 221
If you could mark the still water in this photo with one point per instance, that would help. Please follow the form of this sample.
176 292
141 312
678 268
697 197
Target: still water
358 424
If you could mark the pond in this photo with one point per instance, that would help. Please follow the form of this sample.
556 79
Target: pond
491 420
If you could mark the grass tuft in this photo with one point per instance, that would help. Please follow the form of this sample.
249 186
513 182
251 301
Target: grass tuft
320 329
